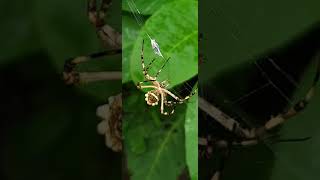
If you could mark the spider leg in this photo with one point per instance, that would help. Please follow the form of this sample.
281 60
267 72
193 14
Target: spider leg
146 86
226 121
223 143
163 102
71 76
233 126
180 101
294 110
172 95
159 71
109 36
144 69
149 65
142 59
139 84
162 105
275 121
188 97
171 104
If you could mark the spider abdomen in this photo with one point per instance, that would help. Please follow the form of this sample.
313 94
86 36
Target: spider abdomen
152 97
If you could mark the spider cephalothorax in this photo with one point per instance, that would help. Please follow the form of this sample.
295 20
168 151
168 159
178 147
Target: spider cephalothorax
160 91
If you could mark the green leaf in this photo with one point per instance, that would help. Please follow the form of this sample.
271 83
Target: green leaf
178 39
153 149
136 139
154 143
191 131
130 30
145 7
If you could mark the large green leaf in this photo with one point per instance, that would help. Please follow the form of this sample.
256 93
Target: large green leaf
130 30
155 143
191 131
153 148
174 26
145 7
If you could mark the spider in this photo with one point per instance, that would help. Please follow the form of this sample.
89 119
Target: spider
243 136
159 90
111 40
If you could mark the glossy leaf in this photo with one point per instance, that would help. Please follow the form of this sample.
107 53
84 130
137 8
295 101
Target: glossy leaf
145 7
191 131
178 39
156 143
150 147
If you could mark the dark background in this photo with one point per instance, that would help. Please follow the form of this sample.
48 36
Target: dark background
235 35
48 129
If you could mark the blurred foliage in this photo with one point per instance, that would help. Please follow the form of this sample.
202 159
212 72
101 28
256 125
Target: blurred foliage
155 143
68 33
48 129
235 35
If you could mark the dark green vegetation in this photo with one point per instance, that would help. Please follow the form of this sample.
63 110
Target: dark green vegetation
237 34
48 130
157 146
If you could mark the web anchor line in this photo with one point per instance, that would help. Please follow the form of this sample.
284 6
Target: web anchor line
138 17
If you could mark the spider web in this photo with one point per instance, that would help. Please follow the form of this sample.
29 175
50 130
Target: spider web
140 21
182 90
271 81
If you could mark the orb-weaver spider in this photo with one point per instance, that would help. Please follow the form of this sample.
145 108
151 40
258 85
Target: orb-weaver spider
160 91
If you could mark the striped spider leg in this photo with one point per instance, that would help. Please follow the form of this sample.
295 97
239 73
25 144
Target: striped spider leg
159 90
110 38
258 133
71 76
247 137
110 113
